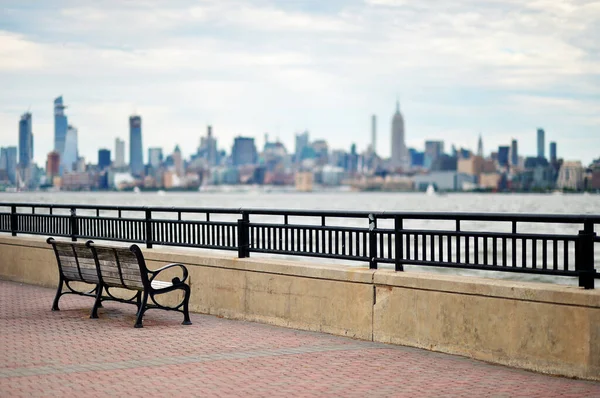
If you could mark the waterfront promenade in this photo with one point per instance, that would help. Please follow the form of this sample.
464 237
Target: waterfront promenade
45 353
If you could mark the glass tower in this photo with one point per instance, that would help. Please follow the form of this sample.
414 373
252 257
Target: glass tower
60 126
136 154
25 140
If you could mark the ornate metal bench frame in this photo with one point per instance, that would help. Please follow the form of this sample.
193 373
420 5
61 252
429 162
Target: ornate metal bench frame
144 280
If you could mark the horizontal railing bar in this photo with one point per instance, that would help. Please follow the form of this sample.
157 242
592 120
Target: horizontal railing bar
310 226
156 221
482 267
161 243
309 254
477 234
501 217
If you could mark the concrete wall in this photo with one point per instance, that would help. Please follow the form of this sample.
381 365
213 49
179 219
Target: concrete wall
547 328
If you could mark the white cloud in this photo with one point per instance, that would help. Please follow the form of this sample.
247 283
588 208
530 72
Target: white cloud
248 67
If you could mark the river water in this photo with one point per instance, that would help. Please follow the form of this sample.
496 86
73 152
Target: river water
358 201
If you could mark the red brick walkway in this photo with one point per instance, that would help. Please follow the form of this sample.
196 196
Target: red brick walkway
45 353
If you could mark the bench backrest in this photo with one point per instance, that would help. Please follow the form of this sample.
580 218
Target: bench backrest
119 267
75 261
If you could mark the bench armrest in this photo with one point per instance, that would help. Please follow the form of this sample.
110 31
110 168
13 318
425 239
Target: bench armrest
175 280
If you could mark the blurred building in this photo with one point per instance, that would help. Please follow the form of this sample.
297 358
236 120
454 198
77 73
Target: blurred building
399 158
541 143
25 141
208 148
77 181
60 126
433 150
136 154
178 162
155 157
243 151
514 153
71 152
570 176
119 154
553 158
503 156
104 159
302 142
304 181
53 165
8 163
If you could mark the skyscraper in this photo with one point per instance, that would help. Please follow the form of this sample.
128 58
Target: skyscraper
178 161
9 162
540 144
136 155
60 125
208 147
302 141
503 152
103 159
119 153
374 133
243 151
155 157
553 157
52 165
480 146
71 152
514 153
25 141
433 151
399 152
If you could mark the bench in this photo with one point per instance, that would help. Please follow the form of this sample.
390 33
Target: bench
113 267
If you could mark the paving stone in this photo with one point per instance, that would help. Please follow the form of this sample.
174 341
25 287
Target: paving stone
65 353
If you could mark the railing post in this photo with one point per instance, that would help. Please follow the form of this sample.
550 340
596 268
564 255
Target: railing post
584 256
148 223
244 236
14 220
74 225
372 242
398 243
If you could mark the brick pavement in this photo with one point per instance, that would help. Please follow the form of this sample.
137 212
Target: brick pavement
45 353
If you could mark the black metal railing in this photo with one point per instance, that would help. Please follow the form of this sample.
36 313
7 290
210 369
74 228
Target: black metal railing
491 242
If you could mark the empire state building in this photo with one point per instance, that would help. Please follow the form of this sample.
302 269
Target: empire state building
399 153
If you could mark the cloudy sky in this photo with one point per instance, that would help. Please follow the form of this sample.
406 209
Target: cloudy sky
460 67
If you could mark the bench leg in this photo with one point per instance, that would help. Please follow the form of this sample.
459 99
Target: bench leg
186 301
141 310
58 294
97 303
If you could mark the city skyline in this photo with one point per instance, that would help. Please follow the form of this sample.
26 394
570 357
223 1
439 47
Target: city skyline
286 68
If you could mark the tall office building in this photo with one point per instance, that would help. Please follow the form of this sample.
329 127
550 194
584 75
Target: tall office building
503 155
553 157
540 143
208 147
514 153
243 151
103 159
25 141
119 153
52 165
302 142
68 159
480 146
155 157
60 125
136 155
433 151
8 162
374 133
399 152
